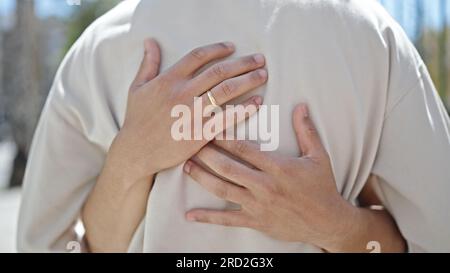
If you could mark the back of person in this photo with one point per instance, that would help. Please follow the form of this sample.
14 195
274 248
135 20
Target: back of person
369 94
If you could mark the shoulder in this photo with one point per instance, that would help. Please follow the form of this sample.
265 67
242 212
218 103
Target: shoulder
83 74
365 26
102 37
114 23
356 16
118 19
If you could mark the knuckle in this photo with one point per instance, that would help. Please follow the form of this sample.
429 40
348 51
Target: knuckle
225 222
231 172
227 88
222 192
219 71
311 130
199 53
241 147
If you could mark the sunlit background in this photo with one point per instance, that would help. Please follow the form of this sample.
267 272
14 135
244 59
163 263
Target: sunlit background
35 35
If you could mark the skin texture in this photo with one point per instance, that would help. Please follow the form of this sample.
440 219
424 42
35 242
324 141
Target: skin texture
145 147
289 199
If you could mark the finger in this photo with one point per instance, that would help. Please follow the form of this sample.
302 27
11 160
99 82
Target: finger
201 56
222 218
231 116
225 70
229 168
150 64
220 188
236 87
249 152
307 136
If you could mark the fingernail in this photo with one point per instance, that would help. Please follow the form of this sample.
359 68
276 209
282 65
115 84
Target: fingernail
187 167
262 73
230 45
258 100
305 111
259 58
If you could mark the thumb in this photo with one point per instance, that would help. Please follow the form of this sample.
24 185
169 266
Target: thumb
150 65
308 138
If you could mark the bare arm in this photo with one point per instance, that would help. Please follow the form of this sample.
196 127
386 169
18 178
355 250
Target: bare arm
113 212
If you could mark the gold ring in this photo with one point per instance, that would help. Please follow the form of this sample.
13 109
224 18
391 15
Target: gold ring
212 99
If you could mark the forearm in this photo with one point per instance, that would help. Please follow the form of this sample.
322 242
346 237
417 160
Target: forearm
113 212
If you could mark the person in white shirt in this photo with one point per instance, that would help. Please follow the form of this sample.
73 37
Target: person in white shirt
103 151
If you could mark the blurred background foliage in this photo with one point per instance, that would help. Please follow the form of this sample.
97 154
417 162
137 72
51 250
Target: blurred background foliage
34 37
83 17
36 34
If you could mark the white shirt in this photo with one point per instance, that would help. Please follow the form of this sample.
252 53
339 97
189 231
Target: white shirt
370 95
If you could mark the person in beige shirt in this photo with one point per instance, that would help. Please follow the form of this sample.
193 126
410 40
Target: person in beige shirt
370 97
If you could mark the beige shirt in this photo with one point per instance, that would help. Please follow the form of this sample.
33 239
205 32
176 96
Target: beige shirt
370 95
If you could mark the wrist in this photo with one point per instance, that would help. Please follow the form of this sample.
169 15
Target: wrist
346 226
122 166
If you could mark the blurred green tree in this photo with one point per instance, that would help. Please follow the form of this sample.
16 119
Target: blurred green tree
83 16
435 49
